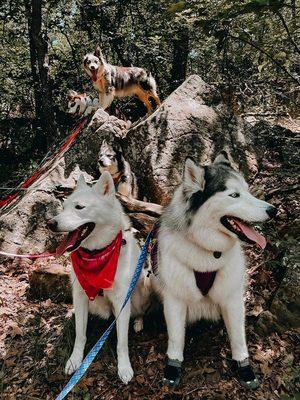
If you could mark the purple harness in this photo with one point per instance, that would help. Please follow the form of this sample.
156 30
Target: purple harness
204 280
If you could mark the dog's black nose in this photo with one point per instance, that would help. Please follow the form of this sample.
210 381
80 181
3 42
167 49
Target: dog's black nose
271 211
92 67
52 224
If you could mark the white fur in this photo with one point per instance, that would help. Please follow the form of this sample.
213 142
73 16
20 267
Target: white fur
185 248
81 104
102 208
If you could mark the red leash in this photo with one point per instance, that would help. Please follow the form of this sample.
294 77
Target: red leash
95 270
4 202
61 249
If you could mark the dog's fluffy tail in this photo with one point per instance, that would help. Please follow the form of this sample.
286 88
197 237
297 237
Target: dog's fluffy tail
147 82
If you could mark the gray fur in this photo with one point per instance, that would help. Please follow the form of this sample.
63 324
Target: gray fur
215 177
122 167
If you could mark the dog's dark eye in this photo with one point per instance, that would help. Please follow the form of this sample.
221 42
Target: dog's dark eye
79 207
72 104
234 195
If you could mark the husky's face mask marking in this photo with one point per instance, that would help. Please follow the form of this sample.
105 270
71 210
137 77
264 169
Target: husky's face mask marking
217 206
87 207
109 159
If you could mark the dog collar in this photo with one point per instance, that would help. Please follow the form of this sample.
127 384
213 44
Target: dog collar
96 269
117 177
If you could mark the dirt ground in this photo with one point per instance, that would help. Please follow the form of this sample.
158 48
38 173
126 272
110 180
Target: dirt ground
36 336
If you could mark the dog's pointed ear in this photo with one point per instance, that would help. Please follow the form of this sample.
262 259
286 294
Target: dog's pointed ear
71 94
81 183
98 52
104 145
193 176
118 149
222 158
105 185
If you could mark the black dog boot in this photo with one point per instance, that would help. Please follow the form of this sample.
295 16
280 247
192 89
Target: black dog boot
245 374
172 373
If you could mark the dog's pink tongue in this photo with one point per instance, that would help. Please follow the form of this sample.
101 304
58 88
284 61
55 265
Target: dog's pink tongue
252 234
94 75
69 241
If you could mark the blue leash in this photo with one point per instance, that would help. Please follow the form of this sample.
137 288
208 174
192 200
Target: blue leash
78 374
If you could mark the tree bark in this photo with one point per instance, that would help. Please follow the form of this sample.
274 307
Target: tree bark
180 58
134 205
38 46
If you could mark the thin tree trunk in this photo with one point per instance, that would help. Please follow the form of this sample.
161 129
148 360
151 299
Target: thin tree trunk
180 58
86 12
38 45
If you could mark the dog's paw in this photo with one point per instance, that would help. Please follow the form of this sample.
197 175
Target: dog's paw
172 373
72 364
138 325
125 373
245 374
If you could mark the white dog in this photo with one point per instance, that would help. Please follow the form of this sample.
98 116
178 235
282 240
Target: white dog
201 267
96 220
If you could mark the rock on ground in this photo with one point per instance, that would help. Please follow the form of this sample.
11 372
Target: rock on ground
51 281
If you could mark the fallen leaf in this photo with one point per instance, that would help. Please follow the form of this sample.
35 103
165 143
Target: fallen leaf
15 330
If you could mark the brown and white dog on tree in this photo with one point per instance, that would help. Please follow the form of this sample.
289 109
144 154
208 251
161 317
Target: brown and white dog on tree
111 159
112 81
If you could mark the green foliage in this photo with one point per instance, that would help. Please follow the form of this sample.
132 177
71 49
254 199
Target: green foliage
286 397
247 48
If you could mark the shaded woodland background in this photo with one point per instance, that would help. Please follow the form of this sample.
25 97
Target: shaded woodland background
248 49
247 52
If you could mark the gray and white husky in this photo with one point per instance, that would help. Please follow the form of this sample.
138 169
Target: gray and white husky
201 266
111 159
81 104
96 216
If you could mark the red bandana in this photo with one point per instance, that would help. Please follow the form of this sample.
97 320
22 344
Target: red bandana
96 270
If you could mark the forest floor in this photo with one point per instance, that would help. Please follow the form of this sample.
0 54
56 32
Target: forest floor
36 336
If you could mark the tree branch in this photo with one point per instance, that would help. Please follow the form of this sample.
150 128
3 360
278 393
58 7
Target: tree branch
138 206
288 31
267 54
72 50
